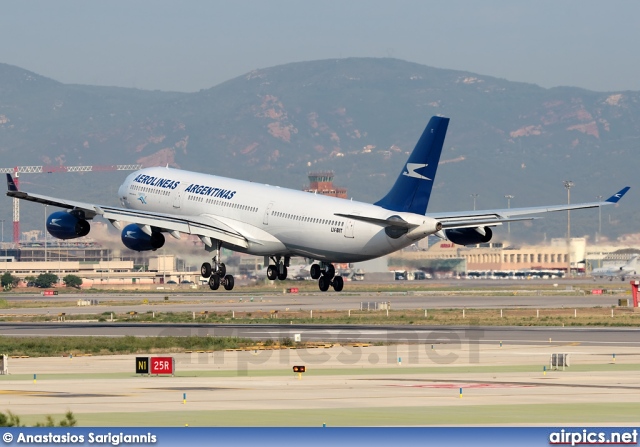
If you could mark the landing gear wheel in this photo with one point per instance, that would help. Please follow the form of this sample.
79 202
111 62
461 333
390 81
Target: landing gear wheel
214 282
330 271
315 271
272 272
324 283
228 282
222 270
337 283
205 270
282 276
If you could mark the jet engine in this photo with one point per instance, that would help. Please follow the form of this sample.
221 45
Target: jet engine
136 239
469 236
64 225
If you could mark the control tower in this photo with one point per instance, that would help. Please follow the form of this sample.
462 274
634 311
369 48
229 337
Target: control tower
322 183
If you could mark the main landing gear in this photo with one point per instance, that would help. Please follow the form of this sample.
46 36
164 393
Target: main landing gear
325 273
217 273
279 270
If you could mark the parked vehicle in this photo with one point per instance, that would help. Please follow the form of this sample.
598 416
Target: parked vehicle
418 275
401 275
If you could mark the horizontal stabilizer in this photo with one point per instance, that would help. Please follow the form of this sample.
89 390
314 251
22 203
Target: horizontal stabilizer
376 221
11 184
486 222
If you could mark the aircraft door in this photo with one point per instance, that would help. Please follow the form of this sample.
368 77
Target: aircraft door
348 229
177 201
265 220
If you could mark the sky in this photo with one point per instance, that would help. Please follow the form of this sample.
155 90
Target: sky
186 46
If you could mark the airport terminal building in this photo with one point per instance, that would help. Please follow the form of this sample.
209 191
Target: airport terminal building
95 264
444 256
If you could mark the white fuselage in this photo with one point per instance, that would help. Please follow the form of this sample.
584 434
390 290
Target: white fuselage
628 269
275 221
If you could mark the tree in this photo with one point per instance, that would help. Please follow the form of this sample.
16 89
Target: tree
72 281
45 280
9 420
8 280
68 421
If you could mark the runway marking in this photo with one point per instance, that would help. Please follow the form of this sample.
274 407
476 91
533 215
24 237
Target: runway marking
189 388
26 393
466 385
54 394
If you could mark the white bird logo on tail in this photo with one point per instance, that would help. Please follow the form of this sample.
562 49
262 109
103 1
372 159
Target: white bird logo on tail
411 171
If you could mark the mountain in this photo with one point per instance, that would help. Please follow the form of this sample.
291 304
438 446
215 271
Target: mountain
358 117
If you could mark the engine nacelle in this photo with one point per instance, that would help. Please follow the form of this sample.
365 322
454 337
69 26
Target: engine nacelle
136 239
469 236
63 225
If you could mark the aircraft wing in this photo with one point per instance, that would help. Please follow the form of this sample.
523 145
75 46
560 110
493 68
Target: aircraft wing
203 226
480 218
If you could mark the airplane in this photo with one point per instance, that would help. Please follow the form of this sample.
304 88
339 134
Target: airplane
629 269
280 223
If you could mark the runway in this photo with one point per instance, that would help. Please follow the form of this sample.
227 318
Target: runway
499 294
399 375
498 298
397 385
613 337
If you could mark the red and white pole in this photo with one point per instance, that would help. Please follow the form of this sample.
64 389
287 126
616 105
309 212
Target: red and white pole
634 292
16 211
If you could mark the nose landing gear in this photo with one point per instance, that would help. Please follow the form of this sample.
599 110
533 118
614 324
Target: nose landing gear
217 273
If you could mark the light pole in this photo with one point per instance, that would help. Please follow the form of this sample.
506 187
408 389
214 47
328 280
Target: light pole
508 197
5 250
568 184
45 233
599 219
475 196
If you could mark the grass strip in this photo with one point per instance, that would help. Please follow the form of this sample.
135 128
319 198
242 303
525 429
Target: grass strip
459 413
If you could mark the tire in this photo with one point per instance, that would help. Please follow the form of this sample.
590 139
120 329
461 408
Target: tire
324 283
315 271
228 282
205 270
338 283
214 282
222 270
330 272
272 272
282 276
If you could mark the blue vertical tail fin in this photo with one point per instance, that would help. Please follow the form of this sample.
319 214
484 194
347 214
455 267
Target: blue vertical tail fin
412 189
